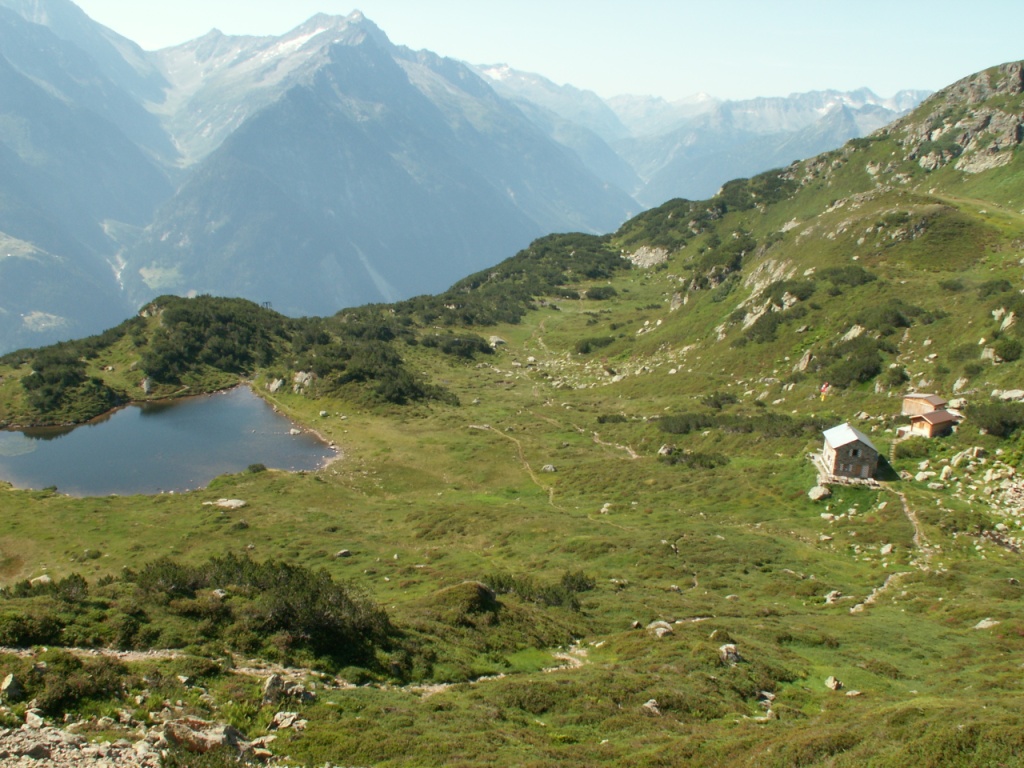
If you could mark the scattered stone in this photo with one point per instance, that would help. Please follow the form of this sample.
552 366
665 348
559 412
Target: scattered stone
646 256
343 553
226 503
33 719
854 694
986 624
832 597
886 549
833 683
548 468
41 581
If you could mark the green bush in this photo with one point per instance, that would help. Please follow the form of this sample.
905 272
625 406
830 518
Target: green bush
912 448
1008 348
601 292
998 419
695 459
895 377
590 344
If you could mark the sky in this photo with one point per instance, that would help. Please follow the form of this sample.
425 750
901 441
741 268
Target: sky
731 49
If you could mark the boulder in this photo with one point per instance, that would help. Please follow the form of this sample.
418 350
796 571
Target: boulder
804 362
986 624
650 707
11 690
819 492
660 628
36 751
273 689
729 654
833 683
343 553
34 718
195 735
548 468
287 720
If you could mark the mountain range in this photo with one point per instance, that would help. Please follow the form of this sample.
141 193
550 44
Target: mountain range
326 167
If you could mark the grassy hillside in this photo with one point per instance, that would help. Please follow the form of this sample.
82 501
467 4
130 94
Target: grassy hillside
595 436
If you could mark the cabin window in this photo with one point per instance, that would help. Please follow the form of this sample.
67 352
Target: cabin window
855 453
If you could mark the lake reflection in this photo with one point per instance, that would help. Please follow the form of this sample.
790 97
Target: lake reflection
153 447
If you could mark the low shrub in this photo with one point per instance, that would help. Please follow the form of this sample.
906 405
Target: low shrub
588 345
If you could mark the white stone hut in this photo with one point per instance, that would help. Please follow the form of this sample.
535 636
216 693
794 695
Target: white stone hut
849 453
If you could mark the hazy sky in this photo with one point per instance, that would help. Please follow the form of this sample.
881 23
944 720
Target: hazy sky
671 48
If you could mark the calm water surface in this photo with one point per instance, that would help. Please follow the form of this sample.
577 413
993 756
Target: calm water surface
154 447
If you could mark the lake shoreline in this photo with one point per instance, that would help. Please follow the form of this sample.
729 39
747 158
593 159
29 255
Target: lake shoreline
165 445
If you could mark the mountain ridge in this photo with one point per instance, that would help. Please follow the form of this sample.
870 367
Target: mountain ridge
495 174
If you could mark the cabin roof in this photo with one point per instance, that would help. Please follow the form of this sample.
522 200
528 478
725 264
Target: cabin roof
935 417
932 400
845 434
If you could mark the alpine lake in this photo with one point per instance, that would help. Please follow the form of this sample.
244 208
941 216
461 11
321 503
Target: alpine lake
159 447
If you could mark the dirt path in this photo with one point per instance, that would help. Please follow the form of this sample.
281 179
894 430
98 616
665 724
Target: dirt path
549 489
632 454
920 558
